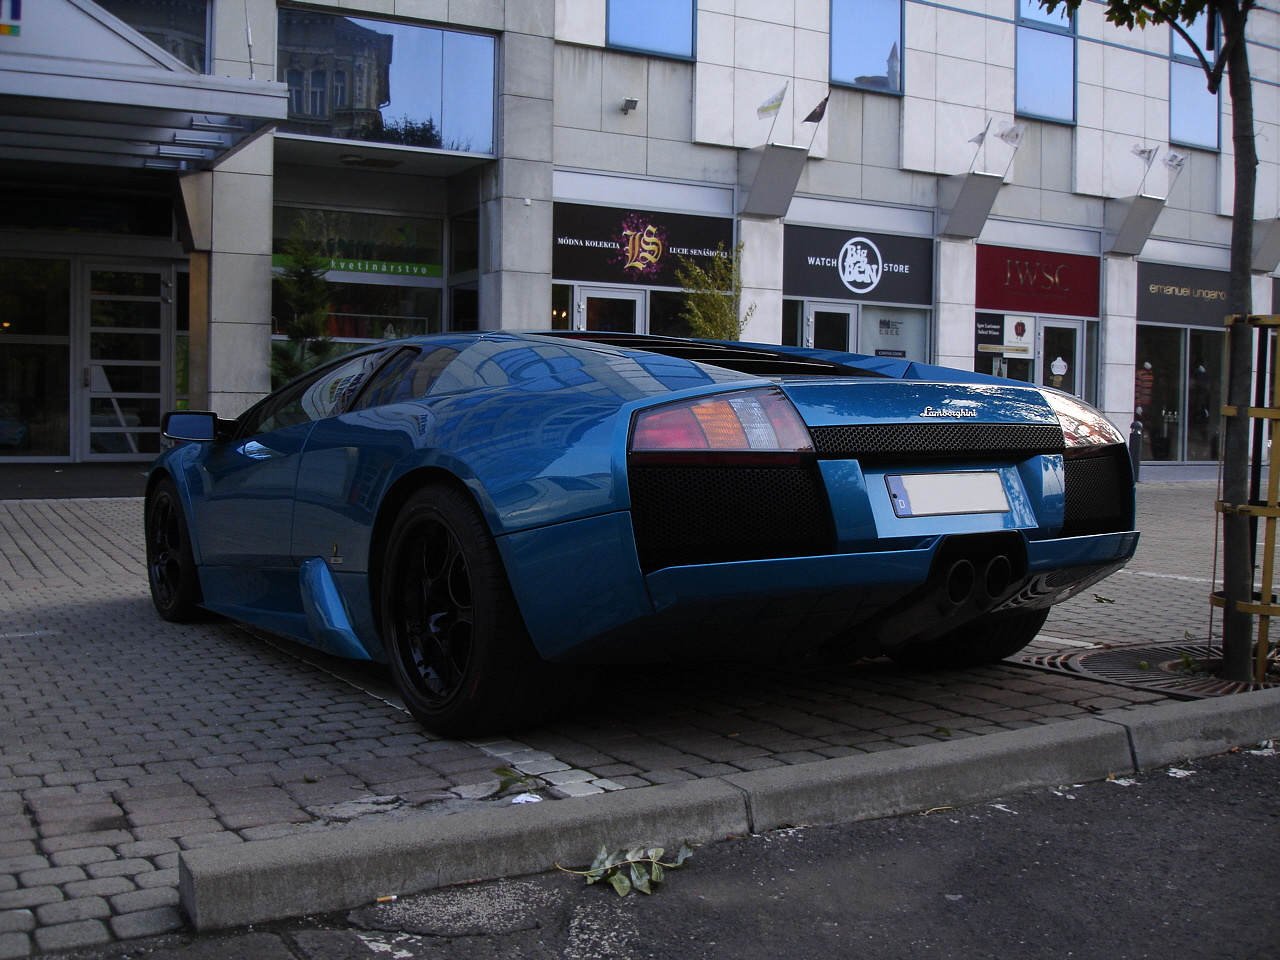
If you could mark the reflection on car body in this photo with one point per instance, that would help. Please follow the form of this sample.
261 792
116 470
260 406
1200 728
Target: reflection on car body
473 509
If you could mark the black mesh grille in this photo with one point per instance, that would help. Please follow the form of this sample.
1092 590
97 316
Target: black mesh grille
870 441
1098 494
696 514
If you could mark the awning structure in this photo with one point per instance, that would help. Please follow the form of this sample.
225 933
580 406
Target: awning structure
79 86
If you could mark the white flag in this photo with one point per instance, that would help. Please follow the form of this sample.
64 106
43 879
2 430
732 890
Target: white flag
1148 154
1174 161
1011 133
982 136
773 104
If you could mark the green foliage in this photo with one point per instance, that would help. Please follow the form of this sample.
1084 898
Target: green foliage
713 295
636 869
306 292
514 778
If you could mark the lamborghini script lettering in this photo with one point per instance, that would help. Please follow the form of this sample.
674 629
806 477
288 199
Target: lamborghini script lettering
957 412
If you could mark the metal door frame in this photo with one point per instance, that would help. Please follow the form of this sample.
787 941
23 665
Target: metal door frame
582 291
82 363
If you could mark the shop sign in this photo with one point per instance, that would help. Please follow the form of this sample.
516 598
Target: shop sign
620 245
1036 282
856 265
372 266
1169 294
1006 334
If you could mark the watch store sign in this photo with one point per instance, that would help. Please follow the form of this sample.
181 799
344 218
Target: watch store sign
856 265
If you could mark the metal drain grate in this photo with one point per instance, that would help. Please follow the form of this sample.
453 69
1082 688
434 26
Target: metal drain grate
1124 666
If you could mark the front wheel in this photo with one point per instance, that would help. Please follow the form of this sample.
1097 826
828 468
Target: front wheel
985 640
171 564
454 637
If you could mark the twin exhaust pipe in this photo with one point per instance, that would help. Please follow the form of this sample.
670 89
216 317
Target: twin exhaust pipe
963 583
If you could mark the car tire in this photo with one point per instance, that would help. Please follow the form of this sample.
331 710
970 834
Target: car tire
454 637
987 639
171 564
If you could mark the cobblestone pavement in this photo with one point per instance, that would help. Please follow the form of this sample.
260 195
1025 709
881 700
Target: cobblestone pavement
125 740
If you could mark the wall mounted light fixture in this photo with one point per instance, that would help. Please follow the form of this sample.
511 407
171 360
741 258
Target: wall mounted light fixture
629 104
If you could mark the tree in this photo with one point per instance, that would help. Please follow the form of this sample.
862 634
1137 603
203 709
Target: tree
713 295
306 294
1231 60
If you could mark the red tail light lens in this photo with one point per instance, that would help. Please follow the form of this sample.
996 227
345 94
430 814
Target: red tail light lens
751 421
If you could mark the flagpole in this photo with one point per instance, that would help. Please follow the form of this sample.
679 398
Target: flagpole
1150 160
982 139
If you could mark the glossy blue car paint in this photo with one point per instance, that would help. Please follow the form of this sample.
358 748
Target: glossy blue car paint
288 525
327 619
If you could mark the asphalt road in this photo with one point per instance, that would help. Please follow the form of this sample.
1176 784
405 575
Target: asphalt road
1176 863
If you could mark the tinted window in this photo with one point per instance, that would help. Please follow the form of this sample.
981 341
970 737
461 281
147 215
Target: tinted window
390 82
321 393
1046 71
406 376
866 43
655 26
1193 110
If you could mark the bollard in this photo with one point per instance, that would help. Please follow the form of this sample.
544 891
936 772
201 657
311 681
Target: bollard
1135 447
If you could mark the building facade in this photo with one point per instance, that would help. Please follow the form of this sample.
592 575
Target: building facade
980 185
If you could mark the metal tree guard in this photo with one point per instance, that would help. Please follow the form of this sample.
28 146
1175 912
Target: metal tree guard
1266 393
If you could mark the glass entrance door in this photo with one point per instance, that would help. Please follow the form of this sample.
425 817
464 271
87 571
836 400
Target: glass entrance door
129 312
1058 355
828 327
35 346
610 310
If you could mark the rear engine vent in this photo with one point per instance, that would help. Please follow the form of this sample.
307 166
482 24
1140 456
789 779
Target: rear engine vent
872 441
709 514
1099 493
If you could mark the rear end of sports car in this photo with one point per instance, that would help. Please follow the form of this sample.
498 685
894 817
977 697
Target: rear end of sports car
845 517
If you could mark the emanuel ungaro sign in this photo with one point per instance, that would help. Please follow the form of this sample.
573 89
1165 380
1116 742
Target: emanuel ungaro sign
855 265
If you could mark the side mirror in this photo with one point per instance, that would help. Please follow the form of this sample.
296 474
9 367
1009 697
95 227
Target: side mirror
193 425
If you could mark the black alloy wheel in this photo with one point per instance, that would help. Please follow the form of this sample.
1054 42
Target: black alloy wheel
171 565
454 637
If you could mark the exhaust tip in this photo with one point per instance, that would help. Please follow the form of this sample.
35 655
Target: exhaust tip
960 582
996 576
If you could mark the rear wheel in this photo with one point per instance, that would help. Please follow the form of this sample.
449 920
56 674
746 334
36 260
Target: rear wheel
171 565
985 640
454 637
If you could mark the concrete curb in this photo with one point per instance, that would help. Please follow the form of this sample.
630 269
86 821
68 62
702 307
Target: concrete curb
1166 733
942 774
253 882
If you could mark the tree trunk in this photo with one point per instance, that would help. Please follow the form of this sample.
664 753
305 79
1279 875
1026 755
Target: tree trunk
1237 542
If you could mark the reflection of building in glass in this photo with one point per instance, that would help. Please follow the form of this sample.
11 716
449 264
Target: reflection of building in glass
177 26
339 77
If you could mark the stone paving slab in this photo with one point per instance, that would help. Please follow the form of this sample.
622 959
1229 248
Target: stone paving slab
125 740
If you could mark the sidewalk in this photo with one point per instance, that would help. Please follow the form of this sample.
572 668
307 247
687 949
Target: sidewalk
130 746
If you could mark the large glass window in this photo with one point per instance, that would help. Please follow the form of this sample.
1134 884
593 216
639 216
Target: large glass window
358 79
35 338
1193 110
866 44
385 270
1046 68
654 26
1177 391
180 27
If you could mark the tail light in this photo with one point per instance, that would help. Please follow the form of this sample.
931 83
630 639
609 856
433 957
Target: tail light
1084 429
757 425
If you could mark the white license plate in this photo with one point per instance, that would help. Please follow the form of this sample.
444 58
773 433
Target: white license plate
940 494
